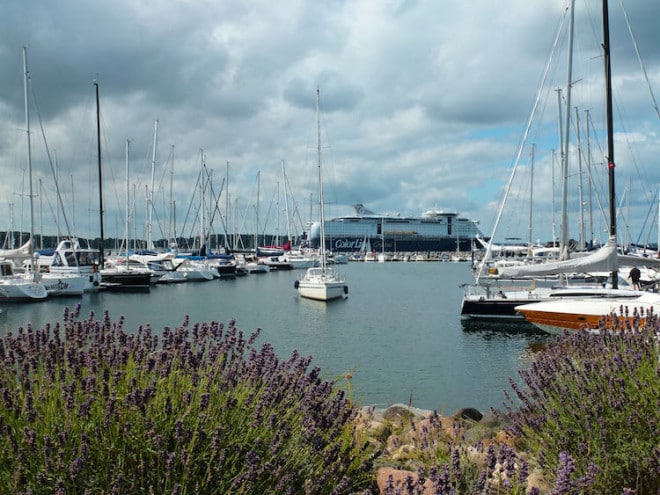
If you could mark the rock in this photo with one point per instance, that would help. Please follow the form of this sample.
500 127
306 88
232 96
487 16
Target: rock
400 479
404 453
495 419
503 436
398 413
468 413
378 430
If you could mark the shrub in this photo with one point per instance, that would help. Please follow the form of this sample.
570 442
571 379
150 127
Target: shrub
590 410
89 408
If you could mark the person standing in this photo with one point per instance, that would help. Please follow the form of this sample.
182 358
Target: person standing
634 276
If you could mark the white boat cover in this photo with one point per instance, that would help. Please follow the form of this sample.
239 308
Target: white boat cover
603 260
20 252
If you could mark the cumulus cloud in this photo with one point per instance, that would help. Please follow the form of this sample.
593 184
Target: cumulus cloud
423 103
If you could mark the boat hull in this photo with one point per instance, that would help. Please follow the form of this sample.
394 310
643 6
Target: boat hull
65 285
492 308
588 313
323 291
12 291
322 285
126 281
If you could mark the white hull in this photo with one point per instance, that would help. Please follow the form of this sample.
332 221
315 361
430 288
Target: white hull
587 312
67 285
17 289
300 262
322 285
172 277
256 267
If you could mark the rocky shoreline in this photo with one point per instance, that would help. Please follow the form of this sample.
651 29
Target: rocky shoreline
409 439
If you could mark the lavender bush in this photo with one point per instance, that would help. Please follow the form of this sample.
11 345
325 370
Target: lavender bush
499 470
589 410
88 408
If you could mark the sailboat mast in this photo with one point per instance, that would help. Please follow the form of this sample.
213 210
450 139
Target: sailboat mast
128 199
98 149
26 78
286 204
150 206
227 206
580 180
531 199
610 130
171 233
318 154
564 218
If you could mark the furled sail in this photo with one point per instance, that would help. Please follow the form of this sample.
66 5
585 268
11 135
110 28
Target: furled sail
603 260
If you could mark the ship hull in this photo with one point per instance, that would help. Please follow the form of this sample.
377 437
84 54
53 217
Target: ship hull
347 244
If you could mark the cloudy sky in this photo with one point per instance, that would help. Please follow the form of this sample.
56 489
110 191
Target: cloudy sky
424 104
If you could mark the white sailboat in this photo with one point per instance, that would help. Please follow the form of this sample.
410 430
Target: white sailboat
322 283
25 286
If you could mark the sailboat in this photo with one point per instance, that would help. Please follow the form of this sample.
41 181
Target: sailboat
574 313
111 278
322 283
29 286
518 283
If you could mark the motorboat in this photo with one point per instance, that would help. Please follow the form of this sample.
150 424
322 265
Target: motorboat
579 313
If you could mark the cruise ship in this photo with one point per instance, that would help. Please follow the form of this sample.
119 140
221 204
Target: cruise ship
367 231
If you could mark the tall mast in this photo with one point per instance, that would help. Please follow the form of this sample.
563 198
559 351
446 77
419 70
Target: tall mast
591 216
610 131
98 150
580 181
202 219
26 78
564 218
256 232
171 234
318 153
286 203
531 199
227 206
150 206
128 199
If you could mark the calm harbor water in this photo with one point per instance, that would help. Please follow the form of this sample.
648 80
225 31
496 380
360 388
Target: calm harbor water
399 333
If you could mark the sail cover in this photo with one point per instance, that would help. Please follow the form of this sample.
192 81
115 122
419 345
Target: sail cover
603 260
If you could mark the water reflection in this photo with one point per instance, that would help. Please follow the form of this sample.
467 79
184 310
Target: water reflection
491 328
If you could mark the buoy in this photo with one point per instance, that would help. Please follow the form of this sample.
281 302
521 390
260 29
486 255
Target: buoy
345 289
295 284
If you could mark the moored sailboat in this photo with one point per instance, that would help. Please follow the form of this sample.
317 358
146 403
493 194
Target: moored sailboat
24 286
113 278
322 283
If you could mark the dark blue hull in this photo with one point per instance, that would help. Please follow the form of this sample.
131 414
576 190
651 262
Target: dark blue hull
395 245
